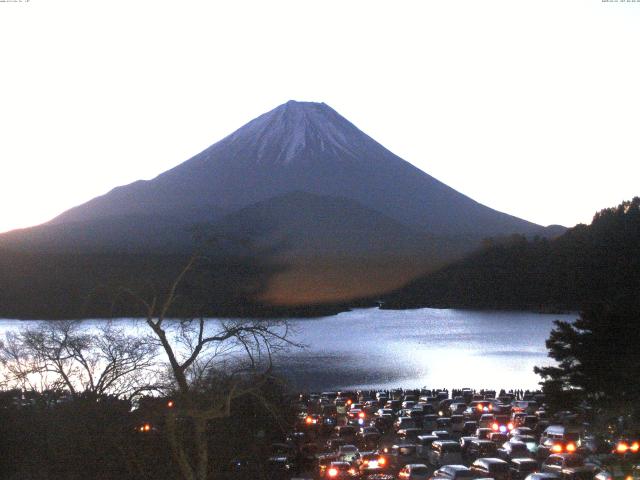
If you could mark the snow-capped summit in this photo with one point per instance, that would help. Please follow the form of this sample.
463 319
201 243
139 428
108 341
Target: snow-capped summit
295 131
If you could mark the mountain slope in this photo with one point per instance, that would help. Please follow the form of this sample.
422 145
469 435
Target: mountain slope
334 249
330 213
301 147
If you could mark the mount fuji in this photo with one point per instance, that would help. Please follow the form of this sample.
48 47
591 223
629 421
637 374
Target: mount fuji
350 218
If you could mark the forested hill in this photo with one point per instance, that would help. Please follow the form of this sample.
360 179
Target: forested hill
587 264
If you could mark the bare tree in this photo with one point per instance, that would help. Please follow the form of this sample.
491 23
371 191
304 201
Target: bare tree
64 355
211 364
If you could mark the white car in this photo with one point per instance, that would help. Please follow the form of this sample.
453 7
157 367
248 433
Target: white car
348 453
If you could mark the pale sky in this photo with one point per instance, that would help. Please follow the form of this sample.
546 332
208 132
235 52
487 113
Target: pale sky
530 107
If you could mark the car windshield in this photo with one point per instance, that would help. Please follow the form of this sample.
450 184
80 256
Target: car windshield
499 467
451 447
464 474
573 462
420 470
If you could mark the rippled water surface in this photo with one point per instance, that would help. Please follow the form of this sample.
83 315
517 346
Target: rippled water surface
374 348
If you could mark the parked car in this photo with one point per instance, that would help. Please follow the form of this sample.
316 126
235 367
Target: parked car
486 420
429 422
498 438
453 472
348 453
347 432
443 423
404 423
445 452
490 468
525 406
324 462
562 433
568 466
414 471
477 408
513 449
480 449
339 470
618 471
470 427
371 463
542 476
457 423
519 468
520 431
528 440
409 434
334 443
399 455
550 446
423 443
517 418
368 437
464 444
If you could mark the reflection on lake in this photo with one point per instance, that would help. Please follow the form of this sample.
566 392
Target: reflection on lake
373 348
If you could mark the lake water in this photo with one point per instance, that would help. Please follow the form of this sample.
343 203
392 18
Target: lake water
373 348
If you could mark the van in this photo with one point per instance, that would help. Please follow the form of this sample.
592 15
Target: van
445 452
562 432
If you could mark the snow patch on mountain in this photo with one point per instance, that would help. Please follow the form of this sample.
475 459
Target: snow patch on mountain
296 128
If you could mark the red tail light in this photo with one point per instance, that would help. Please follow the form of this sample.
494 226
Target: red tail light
510 426
635 446
557 448
382 461
622 447
308 420
332 472
495 427
571 447
361 415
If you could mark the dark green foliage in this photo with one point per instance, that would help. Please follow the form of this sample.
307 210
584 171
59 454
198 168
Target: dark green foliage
53 436
585 266
76 439
598 360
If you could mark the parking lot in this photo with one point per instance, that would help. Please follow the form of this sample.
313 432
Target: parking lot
458 434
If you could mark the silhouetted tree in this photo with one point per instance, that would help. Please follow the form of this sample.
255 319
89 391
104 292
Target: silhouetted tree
212 364
64 355
587 265
598 360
